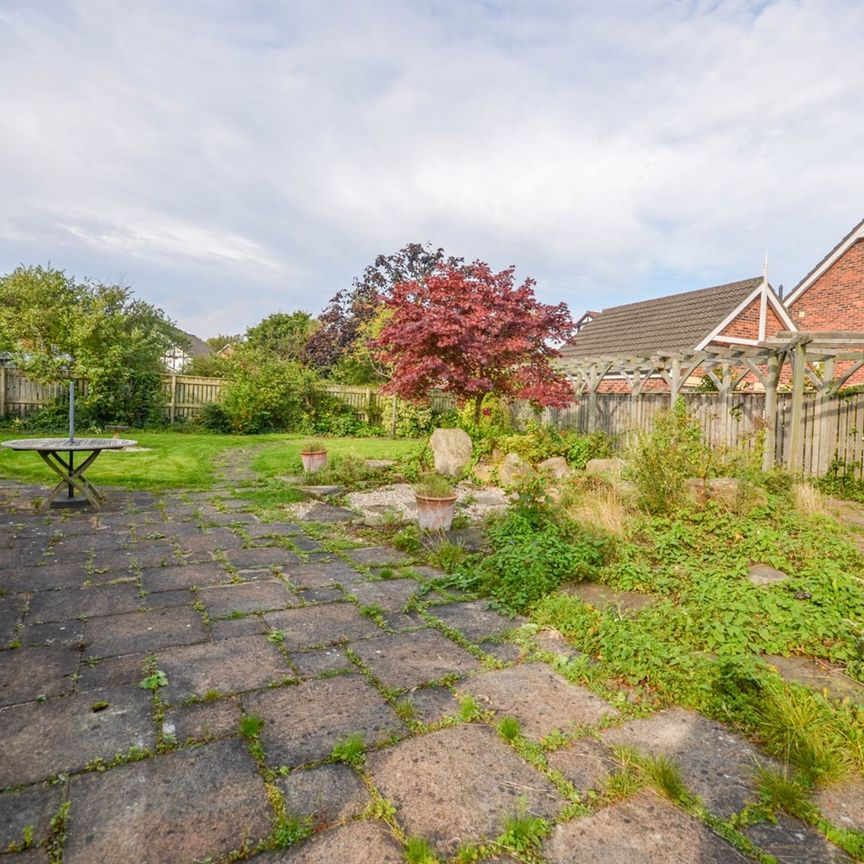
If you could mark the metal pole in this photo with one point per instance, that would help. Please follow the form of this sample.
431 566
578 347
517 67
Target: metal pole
71 411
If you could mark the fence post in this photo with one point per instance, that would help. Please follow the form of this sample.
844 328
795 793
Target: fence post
2 392
394 405
172 405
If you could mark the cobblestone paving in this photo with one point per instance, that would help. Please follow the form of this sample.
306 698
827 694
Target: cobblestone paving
264 651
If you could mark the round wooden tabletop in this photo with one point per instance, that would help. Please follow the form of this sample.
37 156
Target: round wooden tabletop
66 446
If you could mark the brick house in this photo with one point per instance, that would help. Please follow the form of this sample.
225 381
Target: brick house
738 313
830 298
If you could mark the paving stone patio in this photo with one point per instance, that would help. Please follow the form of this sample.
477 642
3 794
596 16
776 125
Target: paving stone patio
90 603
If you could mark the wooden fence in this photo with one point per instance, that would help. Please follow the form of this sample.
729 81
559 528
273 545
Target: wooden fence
832 429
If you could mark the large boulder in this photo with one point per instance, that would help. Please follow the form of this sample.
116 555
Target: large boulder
605 467
513 470
483 473
555 466
451 450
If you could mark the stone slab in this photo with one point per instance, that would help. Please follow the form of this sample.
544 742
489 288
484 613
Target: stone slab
202 721
793 842
46 606
309 626
262 557
541 700
167 599
817 674
390 595
188 811
28 673
45 578
303 723
328 513
601 597
112 671
586 763
553 642
645 828
69 634
716 764
377 556
475 620
763 574
356 843
64 734
321 575
406 660
261 596
843 803
327 794
145 631
231 628
31 807
323 661
11 613
184 576
459 784
227 666
432 704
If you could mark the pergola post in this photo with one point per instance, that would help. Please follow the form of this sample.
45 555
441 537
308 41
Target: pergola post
593 383
769 455
796 422
826 420
674 381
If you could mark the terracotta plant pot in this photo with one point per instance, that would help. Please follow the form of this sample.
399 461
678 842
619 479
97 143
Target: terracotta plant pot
435 514
313 461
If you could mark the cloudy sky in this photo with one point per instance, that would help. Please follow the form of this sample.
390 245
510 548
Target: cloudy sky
228 160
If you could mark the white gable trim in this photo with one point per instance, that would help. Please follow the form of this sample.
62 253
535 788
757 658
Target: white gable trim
731 316
767 296
827 263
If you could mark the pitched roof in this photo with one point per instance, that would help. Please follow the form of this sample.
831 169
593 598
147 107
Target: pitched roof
675 323
197 346
856 234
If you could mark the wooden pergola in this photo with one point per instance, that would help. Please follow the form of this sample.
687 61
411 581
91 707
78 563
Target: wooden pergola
820 361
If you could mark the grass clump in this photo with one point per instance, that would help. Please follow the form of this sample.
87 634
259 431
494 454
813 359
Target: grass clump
418 851
445 554
251 726
780 790
509 728
434 486
291 829
523 833
666 776
350 750
802 729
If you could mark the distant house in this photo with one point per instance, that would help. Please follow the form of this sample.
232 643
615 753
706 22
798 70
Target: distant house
178 357
738 313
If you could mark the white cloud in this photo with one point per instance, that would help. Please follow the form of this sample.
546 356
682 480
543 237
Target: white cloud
231 159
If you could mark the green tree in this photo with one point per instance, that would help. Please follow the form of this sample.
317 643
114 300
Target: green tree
56 327
282 335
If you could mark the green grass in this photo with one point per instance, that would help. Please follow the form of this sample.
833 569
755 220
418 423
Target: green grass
179 460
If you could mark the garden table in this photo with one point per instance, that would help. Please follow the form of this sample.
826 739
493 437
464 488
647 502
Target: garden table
71 478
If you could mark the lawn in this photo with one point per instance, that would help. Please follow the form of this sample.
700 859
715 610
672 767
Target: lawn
178 460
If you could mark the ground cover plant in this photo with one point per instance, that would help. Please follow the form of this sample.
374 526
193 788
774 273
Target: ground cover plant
706 629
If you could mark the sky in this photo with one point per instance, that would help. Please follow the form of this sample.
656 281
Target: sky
228 160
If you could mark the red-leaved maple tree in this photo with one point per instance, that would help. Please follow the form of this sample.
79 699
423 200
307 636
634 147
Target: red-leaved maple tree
470 332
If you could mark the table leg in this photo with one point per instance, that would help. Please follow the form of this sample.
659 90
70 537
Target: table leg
71 477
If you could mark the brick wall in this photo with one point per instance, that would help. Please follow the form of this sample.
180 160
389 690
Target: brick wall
835 301
746 324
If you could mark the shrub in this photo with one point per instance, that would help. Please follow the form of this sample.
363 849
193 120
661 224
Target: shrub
584 448
412 420
664 458
532 556
268 394
215 418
